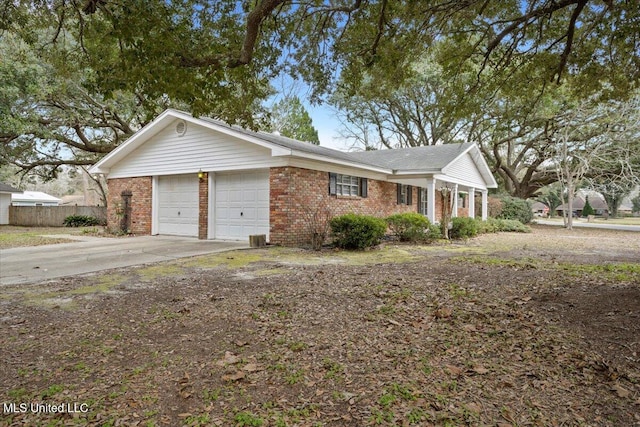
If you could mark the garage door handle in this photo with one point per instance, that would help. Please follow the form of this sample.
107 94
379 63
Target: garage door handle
241 213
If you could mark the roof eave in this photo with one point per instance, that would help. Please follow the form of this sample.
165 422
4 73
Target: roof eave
328 159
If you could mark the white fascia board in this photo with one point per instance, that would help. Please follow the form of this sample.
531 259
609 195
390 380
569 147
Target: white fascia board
465 183
325 159
415 172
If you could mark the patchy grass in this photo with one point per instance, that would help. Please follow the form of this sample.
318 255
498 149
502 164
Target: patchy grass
536 329
14 237
160 270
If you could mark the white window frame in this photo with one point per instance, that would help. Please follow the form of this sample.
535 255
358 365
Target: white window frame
404 194
423 203
347 185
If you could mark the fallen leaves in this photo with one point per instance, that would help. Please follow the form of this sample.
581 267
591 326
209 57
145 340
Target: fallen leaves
620 391
333 344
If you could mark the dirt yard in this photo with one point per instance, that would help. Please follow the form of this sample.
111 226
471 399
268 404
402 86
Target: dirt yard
539 329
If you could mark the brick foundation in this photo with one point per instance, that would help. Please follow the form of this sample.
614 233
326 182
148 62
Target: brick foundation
140 188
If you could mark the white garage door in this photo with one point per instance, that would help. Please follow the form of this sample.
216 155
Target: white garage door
178 205
241 204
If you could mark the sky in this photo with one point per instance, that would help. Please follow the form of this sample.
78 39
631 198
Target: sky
323 116
327 125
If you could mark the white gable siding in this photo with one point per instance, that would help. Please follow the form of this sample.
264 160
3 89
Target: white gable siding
466 169
199 148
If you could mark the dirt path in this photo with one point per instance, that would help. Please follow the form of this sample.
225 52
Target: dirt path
503 330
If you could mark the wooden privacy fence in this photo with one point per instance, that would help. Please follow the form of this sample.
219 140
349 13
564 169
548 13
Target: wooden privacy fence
52 216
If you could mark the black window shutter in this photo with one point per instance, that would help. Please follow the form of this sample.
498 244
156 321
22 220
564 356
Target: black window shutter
419 199
409 195
332 183
399 191
364 190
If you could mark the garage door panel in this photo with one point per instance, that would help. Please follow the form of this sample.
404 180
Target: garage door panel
241 204
178 205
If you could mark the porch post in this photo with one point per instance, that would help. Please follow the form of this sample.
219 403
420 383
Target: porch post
484 205
472 202
431 200
454 210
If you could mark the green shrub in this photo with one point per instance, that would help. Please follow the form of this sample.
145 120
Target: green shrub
80 221
463 228
353 231
515 208
435 232
409 227
493 225
513 225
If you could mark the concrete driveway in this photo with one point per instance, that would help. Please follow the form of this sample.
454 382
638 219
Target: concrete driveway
90 254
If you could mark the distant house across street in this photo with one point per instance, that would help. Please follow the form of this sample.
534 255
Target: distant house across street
34 198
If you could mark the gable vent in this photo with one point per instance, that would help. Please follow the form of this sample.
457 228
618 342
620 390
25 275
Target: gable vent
181 128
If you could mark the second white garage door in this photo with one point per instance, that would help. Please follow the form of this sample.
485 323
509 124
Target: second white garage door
241 204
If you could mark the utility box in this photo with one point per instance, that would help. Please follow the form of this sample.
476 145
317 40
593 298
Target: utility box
257 240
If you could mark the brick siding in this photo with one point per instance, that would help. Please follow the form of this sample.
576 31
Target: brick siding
203 207
299 202
299 198
140 188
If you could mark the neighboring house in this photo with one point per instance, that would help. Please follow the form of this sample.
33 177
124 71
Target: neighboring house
5 201
34 198
200 177
540 209
596 201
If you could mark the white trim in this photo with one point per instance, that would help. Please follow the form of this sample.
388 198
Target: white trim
446 178
431 203
472 202
195 169
155 205
484 205
211 206
454 210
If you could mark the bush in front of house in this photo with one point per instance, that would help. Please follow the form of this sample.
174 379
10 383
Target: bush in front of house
494 225
409 226
435 232
80 221
463 228
513 225
516 208
353 231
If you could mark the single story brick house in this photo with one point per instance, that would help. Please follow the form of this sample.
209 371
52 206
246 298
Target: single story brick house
182 175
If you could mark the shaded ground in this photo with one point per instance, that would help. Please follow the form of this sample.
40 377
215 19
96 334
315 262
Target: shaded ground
503 330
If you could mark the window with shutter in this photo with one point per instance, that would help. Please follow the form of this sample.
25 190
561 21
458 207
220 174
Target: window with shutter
404 194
